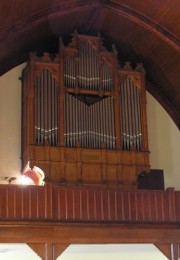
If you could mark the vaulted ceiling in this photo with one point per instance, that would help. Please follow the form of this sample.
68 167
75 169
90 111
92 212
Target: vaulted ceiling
143 31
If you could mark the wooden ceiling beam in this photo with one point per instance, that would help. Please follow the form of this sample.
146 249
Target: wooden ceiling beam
83 233
43 15
145 22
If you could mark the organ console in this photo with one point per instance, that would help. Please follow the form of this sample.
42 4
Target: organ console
84 116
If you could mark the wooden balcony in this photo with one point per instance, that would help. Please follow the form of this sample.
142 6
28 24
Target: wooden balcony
51 217
79 204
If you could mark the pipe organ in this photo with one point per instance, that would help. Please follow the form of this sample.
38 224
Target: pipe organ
84 117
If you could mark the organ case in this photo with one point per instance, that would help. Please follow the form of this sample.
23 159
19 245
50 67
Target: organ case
84 117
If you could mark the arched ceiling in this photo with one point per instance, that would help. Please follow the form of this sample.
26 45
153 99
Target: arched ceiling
143 31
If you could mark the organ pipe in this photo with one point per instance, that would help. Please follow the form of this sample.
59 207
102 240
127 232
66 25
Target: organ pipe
89 125
46 109
131 133
88 73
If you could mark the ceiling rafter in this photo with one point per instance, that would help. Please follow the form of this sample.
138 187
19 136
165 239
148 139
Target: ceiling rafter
43 15
146 22
19 35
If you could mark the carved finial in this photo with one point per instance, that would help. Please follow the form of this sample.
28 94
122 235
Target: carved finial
75 33
61 43
114 49
140 67
74 42
127 66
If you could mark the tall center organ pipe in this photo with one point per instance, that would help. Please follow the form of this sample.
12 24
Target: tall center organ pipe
46 109
89 125
130 118
88 73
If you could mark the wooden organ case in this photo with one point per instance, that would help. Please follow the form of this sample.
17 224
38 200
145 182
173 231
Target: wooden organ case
84 117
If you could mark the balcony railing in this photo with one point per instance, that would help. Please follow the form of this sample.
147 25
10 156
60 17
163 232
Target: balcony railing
77 204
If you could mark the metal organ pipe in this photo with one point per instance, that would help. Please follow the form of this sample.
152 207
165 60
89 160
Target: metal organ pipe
122 117
129 107
46 109
139 131
88 67
70 72
130 117
88 73
37 112
91 126
113 124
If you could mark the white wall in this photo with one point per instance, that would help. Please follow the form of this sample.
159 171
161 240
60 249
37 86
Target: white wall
10 122
112 252
164 137
87 252
164 143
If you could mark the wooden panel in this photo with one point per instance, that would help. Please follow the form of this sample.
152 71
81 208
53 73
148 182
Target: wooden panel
69 204
26 204
55 154
55 172
3 202
88 204
91 156
92 205
18 197
62 204
70 155
11 204
112 174
71 172
177 205
90 166
111 157
91 173
39 153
